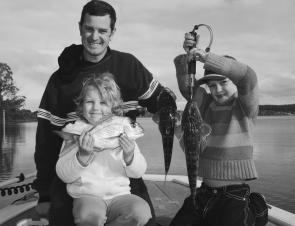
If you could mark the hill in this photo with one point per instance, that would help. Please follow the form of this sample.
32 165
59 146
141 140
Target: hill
264 110
268 110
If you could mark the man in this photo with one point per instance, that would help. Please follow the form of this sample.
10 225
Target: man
97 27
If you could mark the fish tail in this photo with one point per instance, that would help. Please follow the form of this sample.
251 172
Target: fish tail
165 179
194 201
193 196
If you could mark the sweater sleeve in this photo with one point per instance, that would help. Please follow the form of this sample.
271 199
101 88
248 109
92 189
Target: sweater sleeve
138 165
243 76
145 85
47 143
68 168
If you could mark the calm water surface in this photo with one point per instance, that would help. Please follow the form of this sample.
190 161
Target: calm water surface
274 155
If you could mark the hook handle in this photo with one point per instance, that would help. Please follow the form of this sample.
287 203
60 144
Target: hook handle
192 68
196 27
192 62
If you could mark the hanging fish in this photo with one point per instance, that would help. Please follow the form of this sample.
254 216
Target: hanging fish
167 118
195 132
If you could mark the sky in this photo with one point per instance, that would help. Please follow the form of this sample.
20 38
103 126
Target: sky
259 33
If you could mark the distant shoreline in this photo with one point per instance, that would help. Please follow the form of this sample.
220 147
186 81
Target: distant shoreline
149 116
264 110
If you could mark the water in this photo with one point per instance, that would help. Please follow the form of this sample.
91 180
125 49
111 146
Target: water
274 155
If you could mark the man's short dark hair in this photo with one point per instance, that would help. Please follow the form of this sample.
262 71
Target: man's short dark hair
99 8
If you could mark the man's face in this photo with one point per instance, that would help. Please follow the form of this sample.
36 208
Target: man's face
96 34
222 91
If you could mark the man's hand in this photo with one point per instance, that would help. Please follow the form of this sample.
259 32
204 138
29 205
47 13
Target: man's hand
42 209
128 146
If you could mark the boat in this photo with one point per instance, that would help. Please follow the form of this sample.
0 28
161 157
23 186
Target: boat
167 195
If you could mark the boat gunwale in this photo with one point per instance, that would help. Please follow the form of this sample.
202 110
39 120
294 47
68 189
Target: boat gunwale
276 215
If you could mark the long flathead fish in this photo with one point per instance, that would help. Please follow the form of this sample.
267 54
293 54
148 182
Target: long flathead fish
195 132
167 118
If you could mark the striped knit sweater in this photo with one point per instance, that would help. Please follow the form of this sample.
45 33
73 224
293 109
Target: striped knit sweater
229 151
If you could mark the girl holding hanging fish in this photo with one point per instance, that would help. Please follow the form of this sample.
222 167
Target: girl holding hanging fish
101 156
226 163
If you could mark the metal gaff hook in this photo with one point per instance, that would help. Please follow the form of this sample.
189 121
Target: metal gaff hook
192 62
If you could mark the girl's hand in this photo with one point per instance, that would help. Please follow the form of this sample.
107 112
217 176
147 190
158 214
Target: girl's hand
86 143
128 146
86 148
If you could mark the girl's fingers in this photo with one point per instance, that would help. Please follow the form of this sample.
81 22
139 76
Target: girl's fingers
86 141
126 143
81 137
125 140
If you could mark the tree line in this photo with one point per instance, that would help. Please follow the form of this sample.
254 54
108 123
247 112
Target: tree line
13 103
287 109
10 101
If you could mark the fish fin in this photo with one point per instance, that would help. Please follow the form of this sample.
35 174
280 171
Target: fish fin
178 116
206 129
156 118
66 135
203 144
178 132
104 119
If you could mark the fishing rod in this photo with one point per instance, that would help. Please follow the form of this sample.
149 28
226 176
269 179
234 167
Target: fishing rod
192 62
17 179
4 190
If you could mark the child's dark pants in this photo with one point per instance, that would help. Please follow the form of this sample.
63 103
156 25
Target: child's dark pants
225 206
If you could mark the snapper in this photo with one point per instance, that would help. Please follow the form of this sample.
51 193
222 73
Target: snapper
107 131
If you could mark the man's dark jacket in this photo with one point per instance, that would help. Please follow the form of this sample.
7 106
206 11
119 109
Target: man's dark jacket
57 108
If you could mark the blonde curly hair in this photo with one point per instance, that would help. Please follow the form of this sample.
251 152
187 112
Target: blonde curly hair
108 91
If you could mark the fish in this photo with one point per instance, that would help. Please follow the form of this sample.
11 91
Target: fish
129 106
66 135
106 132
167 114
195 133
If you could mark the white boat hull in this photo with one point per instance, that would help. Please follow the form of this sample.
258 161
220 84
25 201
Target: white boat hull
277 216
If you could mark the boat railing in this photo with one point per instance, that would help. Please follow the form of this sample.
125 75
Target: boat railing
276 215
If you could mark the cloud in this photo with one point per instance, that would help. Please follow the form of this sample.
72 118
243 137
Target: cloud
257 32
278 88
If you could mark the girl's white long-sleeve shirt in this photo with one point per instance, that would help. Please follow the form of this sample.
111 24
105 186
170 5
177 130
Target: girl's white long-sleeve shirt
107 175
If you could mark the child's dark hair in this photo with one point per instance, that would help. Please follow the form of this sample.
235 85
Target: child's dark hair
108 91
